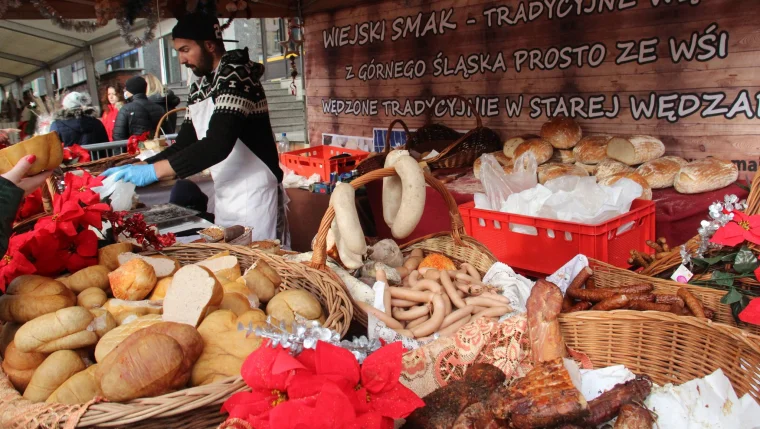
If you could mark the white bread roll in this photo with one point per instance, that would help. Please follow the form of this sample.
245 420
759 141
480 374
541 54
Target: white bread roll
502 159
159 292
91 298
236 303
592 149
108 256
286 304
163 266
80 388
29 297
20 366
102 323
52 373
194 293
123 310
705 175
511 144
117 335
541 149
133 281
262 279
66 329
661 172
646 192
562 132
552 171
609 166
95 276
224 267
634 150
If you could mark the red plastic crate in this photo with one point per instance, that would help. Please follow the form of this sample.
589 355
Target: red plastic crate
306 162
557 241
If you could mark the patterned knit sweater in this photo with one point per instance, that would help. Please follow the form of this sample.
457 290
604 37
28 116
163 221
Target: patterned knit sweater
240 112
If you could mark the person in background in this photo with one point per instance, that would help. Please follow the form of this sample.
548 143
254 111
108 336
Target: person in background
114 101
78 122
188 194
28 122
164 98
14 185
139 114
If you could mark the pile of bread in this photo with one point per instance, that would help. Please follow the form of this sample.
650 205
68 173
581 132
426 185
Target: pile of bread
563 150
136 326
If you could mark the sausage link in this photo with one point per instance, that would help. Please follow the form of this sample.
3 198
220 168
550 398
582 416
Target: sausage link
432 324
491 312
417 321
497 297
692 302
647 297
649 306
454 327
387 301
403 303
457 315
411 314
471 271
417 253
581 306
483 301
381 276
403 271
446 303
451 291
429 285
667 299
414 277
434 275
591 283
404 333
389 321
418 296
600 294
613 303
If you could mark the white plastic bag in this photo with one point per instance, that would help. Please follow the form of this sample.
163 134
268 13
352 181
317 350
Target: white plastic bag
499 186
121 193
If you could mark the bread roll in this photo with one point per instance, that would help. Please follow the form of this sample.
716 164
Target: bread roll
29 297
635 150
552 171
561 132
225 347
163 266
123 310
241 288
590 168
91 298
646 192
133 281
109 255
511 144
7 332
52 373
661 172
194 293
500 158
235 303
95 276
66 329
117 335
563 156
592 149
46 147
80 388
609 166
541 149
705 175
262 280
223 267
286 304
159 292
20 366
102 323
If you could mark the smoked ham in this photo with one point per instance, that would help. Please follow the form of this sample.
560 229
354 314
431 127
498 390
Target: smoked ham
544 305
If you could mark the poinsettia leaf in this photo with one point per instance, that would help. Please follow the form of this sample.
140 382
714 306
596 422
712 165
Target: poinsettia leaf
730 257
745 260
723 279
731 297
707 261
739 306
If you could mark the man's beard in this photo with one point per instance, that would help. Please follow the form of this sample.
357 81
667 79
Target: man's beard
205 65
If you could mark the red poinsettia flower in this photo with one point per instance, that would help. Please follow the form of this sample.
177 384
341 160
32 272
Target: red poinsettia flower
751 313
79 189
31 205
65 215
741 228
93 215
82 251
329 409
49 253
15 263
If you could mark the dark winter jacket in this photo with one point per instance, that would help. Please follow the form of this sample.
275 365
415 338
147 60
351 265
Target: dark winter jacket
169 101
136 117
79 126
10 199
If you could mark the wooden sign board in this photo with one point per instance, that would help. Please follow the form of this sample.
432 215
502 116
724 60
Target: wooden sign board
687 71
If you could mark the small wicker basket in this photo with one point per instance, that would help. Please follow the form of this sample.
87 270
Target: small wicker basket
377 161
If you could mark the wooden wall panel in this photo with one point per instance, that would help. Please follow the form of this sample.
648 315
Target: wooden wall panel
725 122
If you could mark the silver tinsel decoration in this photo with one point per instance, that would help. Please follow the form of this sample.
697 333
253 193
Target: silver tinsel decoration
718 218
305 335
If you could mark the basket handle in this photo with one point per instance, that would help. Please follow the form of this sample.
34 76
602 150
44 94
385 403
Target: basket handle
387 147
319 257
451 147
478 118
163 118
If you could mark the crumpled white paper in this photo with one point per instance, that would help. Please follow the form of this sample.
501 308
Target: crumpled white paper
293 180
565 275
121 193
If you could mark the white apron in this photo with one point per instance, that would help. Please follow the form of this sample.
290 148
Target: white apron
245 188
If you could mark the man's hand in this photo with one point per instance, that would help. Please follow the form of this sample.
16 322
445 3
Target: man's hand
17 175
140 175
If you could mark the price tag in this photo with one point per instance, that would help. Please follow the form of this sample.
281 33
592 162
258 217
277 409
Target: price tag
682 275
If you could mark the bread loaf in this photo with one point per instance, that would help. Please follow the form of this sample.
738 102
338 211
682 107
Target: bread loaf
500 158
95 276
91 298
563 156
225 347
661 172
609 166
46 147
590 168
705 175
547 172
511 144
159 292
541 149
646 190
286 304
122 310
117 335
635 150
133 281
52 373
194 293
80 388
108 256
66 329
262 280
561 132
235 303
29 297
102 323
7 332
20 366
223 267
163 266
592 149
240 287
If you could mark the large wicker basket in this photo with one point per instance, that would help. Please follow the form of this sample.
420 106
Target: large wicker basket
197 407
455 244
668 348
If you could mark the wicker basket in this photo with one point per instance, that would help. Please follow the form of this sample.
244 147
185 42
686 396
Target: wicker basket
378 161
606 275
455 244
668 348
197 407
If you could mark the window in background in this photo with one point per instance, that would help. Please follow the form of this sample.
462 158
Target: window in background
78 73
171 61
275 33
125 60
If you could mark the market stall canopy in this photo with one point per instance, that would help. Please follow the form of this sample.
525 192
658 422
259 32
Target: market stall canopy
85 9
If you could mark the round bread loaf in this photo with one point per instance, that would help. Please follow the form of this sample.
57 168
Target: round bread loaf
705 175
563 156
611 180
635 150
561 132
547 172
541 149
133 281
609 166
511 144
592 149
661 172
285 305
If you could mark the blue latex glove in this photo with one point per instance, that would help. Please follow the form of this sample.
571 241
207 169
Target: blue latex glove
140 175
113 170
